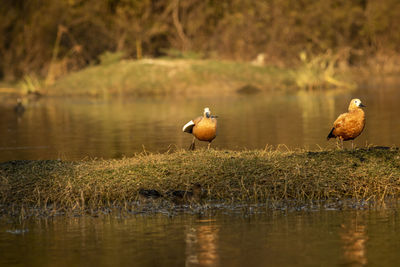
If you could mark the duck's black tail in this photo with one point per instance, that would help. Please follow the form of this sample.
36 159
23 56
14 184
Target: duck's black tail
331 135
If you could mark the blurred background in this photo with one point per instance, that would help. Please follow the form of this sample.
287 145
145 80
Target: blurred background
74 33
83 79
88 78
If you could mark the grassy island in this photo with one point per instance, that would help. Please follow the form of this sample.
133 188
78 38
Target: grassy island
187 77
258 176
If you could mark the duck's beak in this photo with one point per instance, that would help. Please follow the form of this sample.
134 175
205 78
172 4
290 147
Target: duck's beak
362 105
208 114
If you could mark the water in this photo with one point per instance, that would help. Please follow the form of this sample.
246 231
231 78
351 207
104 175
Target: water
323 238
72 129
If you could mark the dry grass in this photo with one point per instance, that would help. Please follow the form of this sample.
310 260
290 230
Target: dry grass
267 176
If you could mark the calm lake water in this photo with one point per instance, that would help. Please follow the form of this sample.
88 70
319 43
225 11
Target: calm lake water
323 238
71 129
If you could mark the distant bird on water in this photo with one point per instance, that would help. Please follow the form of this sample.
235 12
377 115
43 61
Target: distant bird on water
19 107
203 128
349 125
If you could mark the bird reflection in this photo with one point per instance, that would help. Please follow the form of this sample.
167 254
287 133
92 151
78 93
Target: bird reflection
201 245
354 238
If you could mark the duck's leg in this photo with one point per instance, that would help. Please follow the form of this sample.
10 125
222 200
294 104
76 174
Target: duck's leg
352 145
338 144
209 144
192 147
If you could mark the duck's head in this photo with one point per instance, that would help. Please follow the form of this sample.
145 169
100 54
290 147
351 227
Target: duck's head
207 112
355 103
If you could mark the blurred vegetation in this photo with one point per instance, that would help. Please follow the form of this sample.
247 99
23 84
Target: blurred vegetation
47 39
161 77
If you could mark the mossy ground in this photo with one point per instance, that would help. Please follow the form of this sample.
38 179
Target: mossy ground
259 176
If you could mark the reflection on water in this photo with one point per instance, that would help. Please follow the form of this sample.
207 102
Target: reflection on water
201 244
354 237
323 238
78 128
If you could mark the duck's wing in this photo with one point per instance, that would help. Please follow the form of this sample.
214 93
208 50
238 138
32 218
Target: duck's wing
188 127
340 121
331 135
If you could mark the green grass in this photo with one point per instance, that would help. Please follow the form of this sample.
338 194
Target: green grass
228 177
154 77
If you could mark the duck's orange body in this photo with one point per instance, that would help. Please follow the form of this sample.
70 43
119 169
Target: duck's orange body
351 124
203 128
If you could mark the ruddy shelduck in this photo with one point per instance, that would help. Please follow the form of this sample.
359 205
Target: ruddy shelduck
204 128
349 125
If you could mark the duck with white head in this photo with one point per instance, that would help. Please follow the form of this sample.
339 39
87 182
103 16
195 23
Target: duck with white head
349 125
204 128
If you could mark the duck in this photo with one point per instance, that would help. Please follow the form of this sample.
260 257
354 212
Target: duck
19 107
349 125
181 196
204 128
149 193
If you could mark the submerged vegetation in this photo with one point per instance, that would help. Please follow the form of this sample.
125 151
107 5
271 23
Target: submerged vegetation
263 177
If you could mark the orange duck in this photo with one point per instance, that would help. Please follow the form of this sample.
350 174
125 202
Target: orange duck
203 128
349 125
